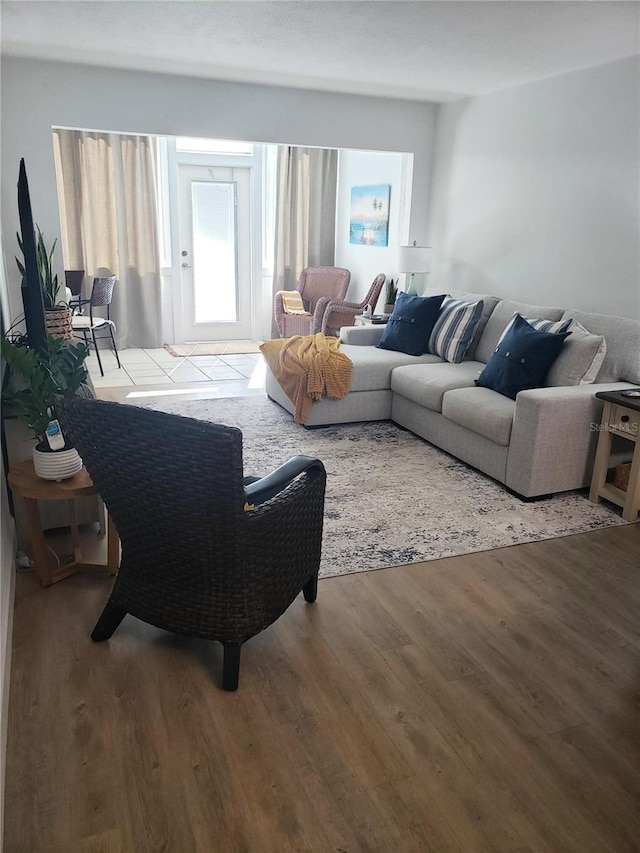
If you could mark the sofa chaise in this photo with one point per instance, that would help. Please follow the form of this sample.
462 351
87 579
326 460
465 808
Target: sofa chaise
538 444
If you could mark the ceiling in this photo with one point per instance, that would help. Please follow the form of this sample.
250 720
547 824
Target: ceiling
421 50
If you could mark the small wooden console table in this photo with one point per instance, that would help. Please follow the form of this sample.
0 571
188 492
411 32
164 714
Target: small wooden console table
620 416
24 482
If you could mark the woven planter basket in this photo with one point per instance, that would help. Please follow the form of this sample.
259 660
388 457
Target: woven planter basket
58 322
621 476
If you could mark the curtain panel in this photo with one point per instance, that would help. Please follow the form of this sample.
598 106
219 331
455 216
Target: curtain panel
108 215
305 216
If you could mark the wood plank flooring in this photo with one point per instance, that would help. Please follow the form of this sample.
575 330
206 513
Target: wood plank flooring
488 702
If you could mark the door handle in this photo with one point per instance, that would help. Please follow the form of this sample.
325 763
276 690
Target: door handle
186 266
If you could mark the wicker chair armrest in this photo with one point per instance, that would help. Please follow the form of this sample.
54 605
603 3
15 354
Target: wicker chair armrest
286 531
269 486
319 314
292 501
282 550
340 314
346 306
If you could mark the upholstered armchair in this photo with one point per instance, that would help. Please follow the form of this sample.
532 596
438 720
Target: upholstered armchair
336 314
314 284
206 551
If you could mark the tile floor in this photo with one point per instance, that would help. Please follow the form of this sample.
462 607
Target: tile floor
145 371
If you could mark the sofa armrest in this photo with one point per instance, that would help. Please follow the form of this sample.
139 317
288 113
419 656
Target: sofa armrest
361 335
554 437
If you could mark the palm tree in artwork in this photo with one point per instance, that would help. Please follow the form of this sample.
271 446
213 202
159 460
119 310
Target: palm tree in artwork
377 206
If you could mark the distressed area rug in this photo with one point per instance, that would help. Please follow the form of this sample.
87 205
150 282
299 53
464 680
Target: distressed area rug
391 497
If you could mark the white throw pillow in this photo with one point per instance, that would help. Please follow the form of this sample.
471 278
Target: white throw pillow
580 359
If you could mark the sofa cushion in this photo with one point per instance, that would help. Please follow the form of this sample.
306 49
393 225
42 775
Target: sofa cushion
372 366
481 410
522 359
622 334
411 323
500 316
426 384
489 303
454 328
580 358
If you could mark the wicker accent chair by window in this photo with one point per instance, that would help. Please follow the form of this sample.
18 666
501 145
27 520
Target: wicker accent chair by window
206 552
314 284
337 314
88 325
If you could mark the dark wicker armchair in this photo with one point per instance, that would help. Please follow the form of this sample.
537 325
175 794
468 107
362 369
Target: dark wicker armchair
195 559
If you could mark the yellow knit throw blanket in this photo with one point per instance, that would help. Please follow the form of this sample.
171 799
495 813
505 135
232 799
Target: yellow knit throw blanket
307 367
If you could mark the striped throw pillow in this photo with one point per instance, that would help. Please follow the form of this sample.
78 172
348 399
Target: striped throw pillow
552 327
454 328
292 302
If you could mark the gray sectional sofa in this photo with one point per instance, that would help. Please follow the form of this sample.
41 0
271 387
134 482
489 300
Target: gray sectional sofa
540 443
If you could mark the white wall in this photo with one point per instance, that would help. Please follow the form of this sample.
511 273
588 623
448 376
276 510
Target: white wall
365 168
536 192
37 95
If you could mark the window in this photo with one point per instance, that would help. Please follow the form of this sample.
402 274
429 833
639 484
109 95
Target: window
195 145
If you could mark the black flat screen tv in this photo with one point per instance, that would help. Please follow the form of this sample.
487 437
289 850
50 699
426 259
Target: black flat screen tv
31 287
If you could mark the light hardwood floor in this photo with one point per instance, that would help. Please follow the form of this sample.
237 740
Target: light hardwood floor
488 702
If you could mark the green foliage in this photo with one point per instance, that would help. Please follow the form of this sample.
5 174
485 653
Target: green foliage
47 380
391 291
48 281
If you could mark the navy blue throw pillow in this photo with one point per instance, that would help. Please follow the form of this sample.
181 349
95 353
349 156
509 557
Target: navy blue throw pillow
411 323
522 359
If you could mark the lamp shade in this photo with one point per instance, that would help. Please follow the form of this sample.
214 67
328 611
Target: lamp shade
413 259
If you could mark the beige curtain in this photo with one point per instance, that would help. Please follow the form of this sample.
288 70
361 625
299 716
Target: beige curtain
108 215
305 217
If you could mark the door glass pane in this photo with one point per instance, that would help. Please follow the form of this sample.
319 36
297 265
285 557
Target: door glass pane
215 285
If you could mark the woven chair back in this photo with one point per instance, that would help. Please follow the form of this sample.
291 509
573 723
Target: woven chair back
316 282
174 488
102 291
374 292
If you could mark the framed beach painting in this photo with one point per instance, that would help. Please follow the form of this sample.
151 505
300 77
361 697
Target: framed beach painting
369 222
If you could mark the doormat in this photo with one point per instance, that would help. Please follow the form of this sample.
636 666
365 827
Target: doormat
213 348
391 497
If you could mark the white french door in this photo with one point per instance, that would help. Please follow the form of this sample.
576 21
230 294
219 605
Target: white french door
215 249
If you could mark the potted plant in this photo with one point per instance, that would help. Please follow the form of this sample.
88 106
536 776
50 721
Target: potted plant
57 313
390 297
37 385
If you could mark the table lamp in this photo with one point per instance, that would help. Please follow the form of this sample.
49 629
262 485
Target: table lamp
411 260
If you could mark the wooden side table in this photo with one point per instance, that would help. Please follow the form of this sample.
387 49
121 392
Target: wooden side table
620 416
24 482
